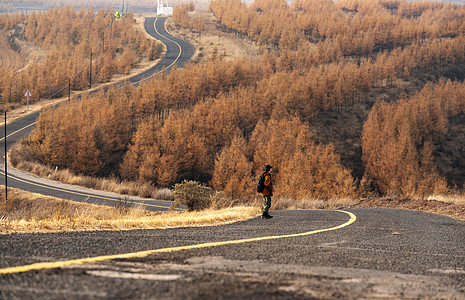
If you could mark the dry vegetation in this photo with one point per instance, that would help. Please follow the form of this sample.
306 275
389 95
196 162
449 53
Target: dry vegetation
413 147
301 107
34 54
27 212
113 185
210 41
347 100
114 45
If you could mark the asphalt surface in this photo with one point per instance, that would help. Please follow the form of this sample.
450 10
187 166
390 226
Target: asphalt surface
387 254
29 182
178 53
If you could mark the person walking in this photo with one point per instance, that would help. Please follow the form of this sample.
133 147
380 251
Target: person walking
267 192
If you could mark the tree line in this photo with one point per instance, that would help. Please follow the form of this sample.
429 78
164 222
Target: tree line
220 122
69 37
414 146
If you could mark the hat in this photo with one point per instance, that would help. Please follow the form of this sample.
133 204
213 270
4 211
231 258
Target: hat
268 167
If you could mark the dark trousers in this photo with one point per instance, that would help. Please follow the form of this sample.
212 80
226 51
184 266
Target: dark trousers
266 203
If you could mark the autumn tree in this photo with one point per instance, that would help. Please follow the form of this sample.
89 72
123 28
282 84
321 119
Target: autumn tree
404 143
233 171
126 61
180 15
324 65
315 172
67 37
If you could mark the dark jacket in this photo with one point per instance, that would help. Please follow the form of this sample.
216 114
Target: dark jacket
268 190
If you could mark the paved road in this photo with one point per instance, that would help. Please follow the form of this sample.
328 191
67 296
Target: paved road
28 182
387 254
178 53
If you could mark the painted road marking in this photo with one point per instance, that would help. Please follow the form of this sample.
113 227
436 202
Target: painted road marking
59 264
91 195
177 58
180 48
17 131
82 193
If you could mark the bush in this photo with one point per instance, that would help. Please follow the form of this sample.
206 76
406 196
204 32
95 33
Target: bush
123 205
219 201
192 194
19 152
163 194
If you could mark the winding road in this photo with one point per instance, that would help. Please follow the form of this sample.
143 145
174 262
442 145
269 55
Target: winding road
305 254
178 53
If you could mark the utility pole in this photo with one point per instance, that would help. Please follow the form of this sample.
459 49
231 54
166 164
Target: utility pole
6 166
90 71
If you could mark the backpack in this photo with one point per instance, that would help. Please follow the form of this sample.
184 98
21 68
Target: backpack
261 183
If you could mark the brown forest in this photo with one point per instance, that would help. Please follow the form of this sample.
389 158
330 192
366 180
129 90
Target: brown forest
69 37
350 97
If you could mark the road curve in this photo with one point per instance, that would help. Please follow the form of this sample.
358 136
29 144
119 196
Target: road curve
385 253
28 182
178 53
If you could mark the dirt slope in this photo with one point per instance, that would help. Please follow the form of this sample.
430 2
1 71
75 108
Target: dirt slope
9 59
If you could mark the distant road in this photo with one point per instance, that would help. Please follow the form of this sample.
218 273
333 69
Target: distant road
178 53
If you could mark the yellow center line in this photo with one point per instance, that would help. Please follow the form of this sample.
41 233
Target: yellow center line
81 193
180 49
60 264
17 131
177 58
91 195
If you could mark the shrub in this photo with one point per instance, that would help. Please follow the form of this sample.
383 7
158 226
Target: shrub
123 205
219 201
192 194
20 151
163 194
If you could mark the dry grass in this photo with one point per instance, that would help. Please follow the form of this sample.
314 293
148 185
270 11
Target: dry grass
282 203
227 44
456 199
109 185
27 212
19 156
17 110
163 194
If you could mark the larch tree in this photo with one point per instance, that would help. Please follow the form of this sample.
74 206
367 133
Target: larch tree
127 59
233 171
